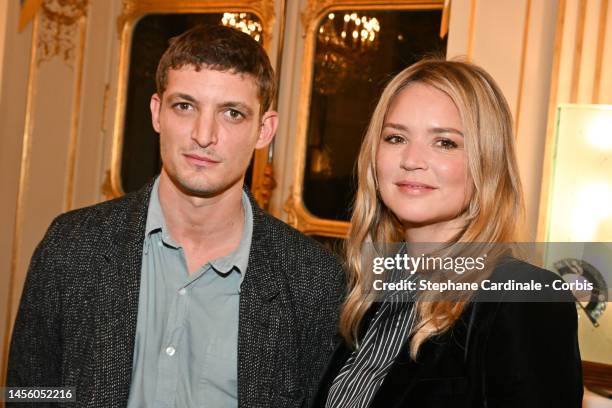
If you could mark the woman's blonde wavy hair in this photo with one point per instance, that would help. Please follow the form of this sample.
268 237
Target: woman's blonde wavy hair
492 213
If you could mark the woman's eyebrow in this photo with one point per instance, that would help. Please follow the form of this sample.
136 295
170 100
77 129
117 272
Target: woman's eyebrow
395 126
438 130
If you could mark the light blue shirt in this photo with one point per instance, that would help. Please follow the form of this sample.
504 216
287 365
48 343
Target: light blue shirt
186 344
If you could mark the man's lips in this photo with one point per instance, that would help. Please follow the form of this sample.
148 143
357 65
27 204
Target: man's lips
200 160
414 187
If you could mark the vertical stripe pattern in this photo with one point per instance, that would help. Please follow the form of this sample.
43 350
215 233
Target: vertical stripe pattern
365 370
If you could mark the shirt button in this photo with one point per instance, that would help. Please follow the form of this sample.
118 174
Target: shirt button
182 291
170 351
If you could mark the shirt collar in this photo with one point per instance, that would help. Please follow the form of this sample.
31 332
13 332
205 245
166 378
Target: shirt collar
155 216
239 258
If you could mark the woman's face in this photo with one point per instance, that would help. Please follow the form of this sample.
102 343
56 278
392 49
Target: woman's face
421 164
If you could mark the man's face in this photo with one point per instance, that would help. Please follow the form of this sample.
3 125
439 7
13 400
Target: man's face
209 123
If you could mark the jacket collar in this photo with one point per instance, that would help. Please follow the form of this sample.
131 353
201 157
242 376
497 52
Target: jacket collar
258 326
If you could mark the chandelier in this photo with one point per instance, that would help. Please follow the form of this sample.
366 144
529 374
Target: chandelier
356 30
344 42
244 22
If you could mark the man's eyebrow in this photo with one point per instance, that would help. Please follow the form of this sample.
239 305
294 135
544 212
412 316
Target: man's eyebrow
237 105
178 95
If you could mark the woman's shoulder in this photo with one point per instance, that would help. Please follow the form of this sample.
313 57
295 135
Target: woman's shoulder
521 297
514 280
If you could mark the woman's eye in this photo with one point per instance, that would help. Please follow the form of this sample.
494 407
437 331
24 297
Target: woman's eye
394 139
446 144
233 114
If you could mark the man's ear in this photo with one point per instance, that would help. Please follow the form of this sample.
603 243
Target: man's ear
155 107
269 124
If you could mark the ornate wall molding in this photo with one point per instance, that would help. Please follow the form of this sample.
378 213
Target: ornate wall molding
59 29
297 213
300 218
133 9
315 8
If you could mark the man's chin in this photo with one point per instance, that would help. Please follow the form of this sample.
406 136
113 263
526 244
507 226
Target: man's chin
204 190
199 188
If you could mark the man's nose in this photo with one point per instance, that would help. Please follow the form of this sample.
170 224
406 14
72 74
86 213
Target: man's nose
205 130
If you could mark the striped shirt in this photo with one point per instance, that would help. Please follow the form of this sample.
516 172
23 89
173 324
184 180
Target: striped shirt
365 370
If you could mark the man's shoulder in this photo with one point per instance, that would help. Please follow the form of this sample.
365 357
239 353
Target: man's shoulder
281 236
305 264
103 217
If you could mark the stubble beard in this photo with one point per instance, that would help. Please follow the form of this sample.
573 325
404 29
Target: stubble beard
196 184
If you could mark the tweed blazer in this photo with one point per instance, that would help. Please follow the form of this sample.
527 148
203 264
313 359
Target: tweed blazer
76 323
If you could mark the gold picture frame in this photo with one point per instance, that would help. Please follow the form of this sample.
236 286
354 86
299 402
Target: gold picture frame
297 214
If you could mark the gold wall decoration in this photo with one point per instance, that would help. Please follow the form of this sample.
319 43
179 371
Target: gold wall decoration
263 188
313 13
300 218
132 10
59 28
107 188
316 8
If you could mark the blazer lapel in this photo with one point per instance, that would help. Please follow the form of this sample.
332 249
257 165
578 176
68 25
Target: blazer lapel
258 322
117 300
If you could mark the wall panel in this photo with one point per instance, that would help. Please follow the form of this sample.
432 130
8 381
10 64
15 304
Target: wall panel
605 79
3 33
46 128
582 40
513 41
532 113
94 132
498 46
14 93
589 37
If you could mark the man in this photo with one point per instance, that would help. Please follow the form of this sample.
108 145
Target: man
184 293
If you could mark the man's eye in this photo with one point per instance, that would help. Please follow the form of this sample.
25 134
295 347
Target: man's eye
183 106
233 114
394 139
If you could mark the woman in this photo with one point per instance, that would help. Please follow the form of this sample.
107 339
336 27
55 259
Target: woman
438 165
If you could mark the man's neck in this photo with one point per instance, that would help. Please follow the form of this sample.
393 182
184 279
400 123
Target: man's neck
213 224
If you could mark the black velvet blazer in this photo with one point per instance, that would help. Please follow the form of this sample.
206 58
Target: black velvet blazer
498 354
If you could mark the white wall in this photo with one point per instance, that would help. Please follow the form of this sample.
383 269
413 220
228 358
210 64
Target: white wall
514 41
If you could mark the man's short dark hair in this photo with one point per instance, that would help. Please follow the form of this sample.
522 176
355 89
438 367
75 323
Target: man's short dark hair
223 49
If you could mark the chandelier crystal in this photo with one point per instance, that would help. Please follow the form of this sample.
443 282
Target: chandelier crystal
344 41
244 22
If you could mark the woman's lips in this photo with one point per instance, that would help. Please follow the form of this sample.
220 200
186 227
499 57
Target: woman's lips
202 161
414 188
